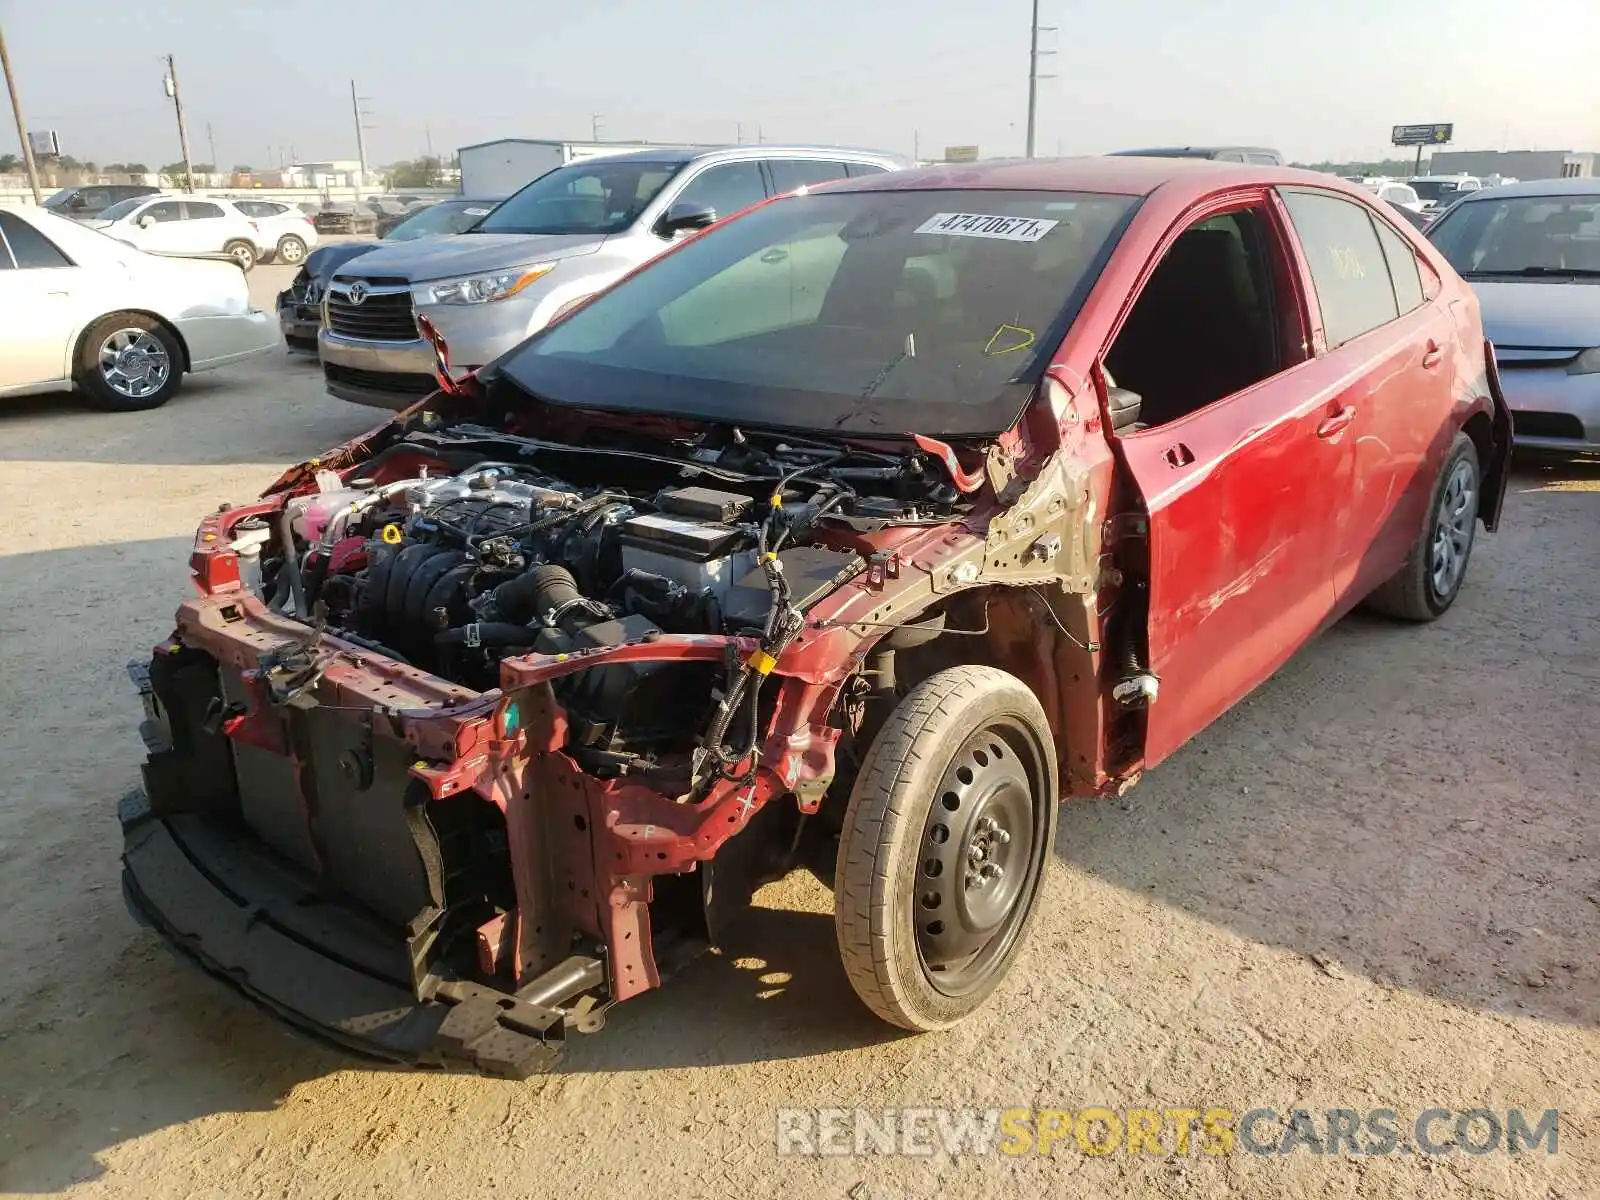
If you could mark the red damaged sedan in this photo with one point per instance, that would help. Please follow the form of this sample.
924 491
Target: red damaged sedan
850 535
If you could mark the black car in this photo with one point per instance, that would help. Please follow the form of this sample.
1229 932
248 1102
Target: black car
300 304
89 201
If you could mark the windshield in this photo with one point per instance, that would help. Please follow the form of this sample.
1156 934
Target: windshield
598 196
1521 235
883 311
60 199
1434 189
122 208
448 216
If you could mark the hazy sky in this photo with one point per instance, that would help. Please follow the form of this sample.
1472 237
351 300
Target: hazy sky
1321 80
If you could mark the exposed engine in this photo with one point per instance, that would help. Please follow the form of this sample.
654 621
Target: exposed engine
454 572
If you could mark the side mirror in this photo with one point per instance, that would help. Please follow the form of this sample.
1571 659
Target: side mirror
77 202
685 216
146 221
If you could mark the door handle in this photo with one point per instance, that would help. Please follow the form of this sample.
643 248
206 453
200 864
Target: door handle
1338 422
775 255
1432 356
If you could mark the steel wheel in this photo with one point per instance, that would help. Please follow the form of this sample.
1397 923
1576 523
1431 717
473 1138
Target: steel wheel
1452 531
978 858
943 846
291 250
134 363
242 253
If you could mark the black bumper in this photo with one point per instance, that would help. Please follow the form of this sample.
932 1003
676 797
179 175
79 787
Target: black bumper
243 916
299 324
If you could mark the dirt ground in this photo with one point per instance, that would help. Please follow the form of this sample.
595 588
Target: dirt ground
1376 884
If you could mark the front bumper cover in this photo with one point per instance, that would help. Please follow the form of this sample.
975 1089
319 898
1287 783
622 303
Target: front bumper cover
243 917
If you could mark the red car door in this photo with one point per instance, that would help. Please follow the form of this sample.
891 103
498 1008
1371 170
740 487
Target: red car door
1386 352
1244 494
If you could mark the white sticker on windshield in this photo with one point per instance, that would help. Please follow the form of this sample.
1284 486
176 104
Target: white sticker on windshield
476 212
1007 229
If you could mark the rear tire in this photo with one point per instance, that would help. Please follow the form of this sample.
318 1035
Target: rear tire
949 827
128 362
291 251
242 252
1431 580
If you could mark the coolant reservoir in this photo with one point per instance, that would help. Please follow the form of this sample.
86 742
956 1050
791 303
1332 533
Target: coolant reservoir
310 514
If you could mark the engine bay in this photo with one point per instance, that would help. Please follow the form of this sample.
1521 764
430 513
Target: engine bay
457 546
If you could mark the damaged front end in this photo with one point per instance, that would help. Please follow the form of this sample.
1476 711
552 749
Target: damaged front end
474 728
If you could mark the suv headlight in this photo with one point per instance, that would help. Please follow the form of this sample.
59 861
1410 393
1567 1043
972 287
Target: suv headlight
1586 363
480 289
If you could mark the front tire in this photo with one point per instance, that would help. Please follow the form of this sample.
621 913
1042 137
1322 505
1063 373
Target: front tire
242 252
1431 580
948 830
291 251
129 362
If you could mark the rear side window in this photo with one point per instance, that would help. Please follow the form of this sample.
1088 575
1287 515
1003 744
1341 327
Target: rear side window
1261 160
855 170
29 247
1348 268
1403 268
791 173
196 210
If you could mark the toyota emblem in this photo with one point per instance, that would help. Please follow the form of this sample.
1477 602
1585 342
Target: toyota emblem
358 292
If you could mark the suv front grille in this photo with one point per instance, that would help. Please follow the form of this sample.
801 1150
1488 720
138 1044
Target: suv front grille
380 317
401 383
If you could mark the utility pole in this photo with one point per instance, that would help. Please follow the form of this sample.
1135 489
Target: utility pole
22 128
1033 72
361 137
211 140
916 146
427 132
171 83
594 126
738 138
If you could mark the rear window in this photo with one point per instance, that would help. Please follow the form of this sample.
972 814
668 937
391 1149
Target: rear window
791 173
1403 269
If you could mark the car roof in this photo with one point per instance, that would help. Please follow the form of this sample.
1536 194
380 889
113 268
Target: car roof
1583 186
1191 151
759 151
1123 175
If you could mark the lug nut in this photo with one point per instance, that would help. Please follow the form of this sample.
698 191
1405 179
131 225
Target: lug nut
992 870
1001 836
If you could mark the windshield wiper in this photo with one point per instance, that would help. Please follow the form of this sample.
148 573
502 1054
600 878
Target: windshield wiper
1547 272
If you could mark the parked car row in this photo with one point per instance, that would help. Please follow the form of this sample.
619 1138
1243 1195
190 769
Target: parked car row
123 326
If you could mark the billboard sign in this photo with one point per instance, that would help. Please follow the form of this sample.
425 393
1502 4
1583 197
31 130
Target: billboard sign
960 154
1421 135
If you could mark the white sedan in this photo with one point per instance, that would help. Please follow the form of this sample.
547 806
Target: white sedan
84 310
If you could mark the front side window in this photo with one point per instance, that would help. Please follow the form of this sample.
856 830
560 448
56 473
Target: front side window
167 210
863 311
600 196
1205 324
29 247
1522 235
727 189
1348 269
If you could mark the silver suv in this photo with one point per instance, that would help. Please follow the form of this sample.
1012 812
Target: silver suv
560 239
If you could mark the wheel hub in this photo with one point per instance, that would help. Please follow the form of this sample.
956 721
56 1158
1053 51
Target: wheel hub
133 363
976 858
